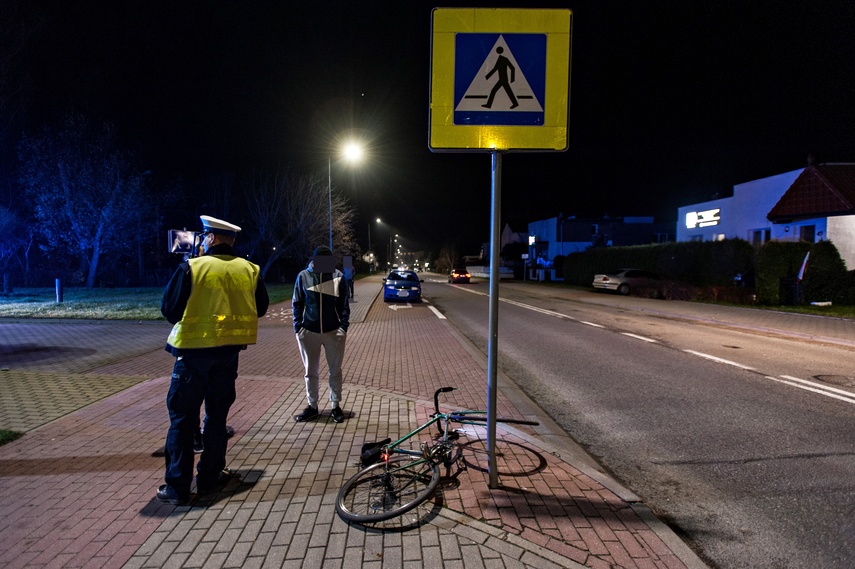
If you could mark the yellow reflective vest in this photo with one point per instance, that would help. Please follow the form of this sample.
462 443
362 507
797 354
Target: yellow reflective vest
221 310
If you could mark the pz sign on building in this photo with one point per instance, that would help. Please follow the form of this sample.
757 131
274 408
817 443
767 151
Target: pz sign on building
500 79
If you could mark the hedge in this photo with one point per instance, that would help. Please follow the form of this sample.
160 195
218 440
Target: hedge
768 271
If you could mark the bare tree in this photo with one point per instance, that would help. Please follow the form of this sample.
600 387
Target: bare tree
291 217
447 258
85 190
12 241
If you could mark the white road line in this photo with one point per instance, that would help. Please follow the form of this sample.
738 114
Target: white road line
439 314
537 309
473 291
592 324
522 305
637 337
719 360
826 390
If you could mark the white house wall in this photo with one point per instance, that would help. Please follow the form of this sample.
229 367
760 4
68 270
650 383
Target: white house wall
741 214
841 232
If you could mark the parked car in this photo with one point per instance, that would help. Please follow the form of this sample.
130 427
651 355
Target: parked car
402 285
459 276
622 280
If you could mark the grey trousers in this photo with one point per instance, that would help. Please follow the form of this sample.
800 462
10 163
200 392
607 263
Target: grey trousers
310 352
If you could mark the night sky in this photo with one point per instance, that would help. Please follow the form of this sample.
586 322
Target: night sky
670 102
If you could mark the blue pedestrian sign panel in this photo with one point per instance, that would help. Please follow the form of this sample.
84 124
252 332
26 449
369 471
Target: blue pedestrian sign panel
500 79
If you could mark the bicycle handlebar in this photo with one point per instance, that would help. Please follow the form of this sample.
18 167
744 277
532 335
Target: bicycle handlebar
436 396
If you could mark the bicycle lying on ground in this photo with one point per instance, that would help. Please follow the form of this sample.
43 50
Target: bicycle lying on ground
397 479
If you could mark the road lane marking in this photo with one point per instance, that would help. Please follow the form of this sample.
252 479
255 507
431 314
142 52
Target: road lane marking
439 314
523 305
591 324
719 360
637 337
537 309
826 390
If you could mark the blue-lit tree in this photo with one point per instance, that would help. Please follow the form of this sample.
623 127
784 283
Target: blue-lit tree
14 241
86 192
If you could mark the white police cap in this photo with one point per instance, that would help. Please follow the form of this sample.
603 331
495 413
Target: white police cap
218 226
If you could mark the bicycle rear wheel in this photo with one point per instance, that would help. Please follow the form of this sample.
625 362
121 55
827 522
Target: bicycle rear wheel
385 490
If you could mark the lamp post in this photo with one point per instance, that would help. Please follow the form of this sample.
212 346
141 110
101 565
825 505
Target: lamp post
352 152
392 250
329 194
370 251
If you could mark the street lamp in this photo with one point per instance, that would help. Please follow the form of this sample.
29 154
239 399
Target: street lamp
352 152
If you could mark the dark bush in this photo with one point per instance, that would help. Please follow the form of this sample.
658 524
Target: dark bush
706 270
694 262
826 275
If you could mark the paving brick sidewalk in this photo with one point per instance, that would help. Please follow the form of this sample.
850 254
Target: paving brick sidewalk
78 491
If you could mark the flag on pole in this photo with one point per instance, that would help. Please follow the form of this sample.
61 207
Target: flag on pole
804 267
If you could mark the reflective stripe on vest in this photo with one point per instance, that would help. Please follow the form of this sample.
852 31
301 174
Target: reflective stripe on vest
221 310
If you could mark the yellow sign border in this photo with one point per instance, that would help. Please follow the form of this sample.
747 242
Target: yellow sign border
444 135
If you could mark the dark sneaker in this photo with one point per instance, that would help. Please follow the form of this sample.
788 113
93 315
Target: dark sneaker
337 414
223 478
308 414
230 431
170 495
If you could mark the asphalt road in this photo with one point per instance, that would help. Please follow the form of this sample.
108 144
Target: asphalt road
693 417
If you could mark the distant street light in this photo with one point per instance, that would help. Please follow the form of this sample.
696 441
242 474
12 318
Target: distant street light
352 152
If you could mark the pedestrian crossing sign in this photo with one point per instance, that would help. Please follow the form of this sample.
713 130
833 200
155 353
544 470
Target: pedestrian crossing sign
500 79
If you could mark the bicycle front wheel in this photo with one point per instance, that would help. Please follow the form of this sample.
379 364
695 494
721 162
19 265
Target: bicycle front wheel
387 489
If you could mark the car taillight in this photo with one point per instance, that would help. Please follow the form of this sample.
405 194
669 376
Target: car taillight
605 279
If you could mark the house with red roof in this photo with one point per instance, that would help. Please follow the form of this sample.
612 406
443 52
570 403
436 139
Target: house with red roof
812 204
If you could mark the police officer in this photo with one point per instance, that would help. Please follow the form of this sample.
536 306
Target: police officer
214 302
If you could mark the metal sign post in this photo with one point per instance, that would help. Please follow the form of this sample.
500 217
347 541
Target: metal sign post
493 334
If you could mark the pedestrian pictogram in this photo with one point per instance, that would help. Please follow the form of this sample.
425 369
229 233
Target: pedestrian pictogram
501 83
502 66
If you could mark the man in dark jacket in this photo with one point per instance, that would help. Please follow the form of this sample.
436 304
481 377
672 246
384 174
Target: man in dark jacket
214 302
321 316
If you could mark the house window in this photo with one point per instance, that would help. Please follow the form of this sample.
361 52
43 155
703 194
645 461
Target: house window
760 236
807 233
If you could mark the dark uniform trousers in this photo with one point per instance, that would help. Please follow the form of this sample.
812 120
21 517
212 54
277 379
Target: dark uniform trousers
198 378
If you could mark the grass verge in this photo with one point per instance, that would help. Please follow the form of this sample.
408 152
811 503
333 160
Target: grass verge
9 436
98 303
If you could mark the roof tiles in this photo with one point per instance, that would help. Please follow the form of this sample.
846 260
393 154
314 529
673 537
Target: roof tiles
819 191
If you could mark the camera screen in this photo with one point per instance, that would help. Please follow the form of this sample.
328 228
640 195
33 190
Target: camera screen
181 241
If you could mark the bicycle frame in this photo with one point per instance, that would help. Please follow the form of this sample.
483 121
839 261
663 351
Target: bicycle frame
396 484
443 420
